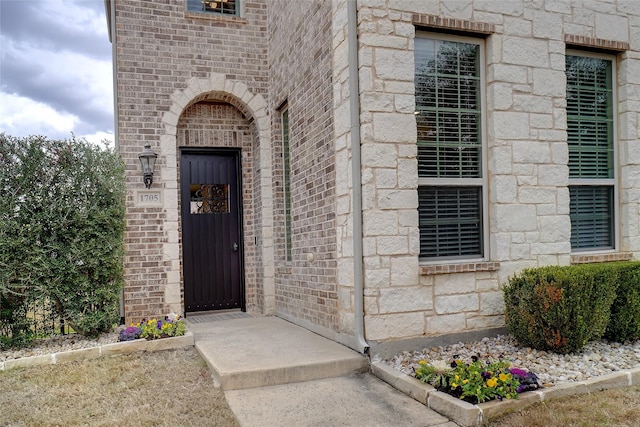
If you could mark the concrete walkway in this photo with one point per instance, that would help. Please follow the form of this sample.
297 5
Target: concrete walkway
275 373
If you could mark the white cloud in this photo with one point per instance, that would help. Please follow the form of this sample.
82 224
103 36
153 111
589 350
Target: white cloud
21 117
56 69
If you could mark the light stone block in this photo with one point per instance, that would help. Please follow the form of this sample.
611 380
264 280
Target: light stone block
380 223
531 152
379 155
378 101
491 303
510 125
394 326
397 199
523 51
388 58
376 278
555 228
549 83
610 27
74 355
386 178
535 195
392 245
532 104
504 189
394 127
453 284
508 73
445 324
404 271
28 362
451 304
398 300
547 25
509 218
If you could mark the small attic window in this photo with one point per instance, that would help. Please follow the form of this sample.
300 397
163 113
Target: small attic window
224 7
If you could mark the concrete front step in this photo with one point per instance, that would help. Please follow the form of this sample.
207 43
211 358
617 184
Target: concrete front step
267 351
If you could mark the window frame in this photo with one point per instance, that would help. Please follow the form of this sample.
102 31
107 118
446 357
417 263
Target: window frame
237 14
286 181
481 181
612 182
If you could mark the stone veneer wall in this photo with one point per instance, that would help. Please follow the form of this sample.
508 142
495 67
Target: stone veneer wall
525 111
300 59
168 59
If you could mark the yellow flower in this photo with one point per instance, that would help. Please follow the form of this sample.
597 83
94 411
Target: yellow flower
457 377
465 381
422 362
504 377
454 385
492 382
151 321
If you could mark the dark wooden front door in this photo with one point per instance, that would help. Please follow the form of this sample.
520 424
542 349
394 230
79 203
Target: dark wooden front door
211 234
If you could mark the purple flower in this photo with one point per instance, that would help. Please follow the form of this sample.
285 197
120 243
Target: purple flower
518 372
129 334
159 324
486 375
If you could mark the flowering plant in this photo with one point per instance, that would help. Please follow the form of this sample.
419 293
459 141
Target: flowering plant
171 326
478 381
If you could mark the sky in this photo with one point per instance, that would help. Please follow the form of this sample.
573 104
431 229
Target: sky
55 69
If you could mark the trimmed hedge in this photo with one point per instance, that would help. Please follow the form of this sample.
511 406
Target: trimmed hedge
61 234
624 324
560 308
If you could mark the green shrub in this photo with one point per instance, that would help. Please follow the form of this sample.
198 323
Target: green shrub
560 308
61 228
624 323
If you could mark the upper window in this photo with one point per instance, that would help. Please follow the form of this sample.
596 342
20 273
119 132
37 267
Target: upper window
590 136
225 7
451 187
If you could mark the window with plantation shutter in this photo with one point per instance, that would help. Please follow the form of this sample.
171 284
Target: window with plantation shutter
590 136
448 88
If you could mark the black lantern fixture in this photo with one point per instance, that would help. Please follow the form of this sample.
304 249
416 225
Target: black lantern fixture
148 161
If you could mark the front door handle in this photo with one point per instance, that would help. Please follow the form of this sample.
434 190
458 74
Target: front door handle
235 247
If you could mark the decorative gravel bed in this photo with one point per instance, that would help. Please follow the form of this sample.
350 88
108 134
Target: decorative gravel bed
59 344
595 359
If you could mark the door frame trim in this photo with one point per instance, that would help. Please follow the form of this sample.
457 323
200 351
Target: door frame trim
237 156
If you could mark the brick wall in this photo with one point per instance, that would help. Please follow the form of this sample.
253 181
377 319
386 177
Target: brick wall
300 58
160 50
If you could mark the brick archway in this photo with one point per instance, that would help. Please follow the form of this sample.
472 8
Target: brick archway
253 106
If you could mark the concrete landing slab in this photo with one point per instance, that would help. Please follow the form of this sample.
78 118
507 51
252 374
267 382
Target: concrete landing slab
355 400
266 351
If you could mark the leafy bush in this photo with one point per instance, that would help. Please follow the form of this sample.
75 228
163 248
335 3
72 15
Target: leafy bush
560 308
61 228
624 323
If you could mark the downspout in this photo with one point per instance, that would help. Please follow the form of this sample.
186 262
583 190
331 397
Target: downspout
356 176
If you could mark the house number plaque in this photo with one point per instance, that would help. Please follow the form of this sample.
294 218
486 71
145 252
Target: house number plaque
148 198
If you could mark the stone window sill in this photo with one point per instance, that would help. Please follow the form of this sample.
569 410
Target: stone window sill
465 267
608 257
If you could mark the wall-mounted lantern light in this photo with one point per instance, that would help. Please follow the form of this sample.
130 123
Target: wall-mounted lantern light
148 161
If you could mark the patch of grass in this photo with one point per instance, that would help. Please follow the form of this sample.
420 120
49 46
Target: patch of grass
164 388
610 408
